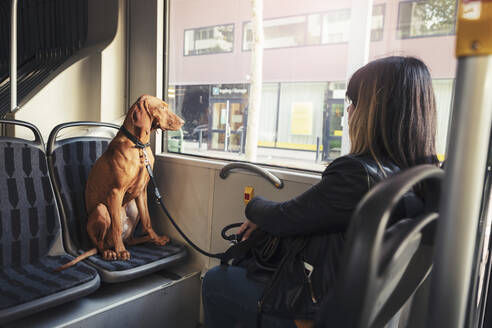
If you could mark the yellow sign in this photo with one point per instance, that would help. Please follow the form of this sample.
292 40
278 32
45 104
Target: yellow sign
301 118
474 23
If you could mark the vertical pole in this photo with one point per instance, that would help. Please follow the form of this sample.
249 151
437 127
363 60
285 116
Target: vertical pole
13 56
360 35
455 256
241 146
227 128
462 192
256 80
317 149
278 115
200 139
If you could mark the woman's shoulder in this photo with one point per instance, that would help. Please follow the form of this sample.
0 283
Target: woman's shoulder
362 164
345 165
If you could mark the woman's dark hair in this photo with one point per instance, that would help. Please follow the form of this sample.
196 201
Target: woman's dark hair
394 115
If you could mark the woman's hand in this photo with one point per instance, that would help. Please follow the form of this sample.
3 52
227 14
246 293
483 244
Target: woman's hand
247 227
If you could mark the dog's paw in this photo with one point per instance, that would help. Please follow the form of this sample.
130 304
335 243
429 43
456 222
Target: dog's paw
109 255
124 255
161 241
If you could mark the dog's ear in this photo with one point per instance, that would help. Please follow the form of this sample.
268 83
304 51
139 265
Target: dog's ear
141 116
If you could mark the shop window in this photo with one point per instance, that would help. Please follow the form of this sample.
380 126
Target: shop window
209 40
426 18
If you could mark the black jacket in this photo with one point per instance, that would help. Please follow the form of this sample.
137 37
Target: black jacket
327 206
315 222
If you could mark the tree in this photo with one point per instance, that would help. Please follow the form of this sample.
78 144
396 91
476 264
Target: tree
434 16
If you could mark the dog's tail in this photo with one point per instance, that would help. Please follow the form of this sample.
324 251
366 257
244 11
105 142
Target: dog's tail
76 260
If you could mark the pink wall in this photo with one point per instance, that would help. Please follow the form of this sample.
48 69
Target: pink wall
309 63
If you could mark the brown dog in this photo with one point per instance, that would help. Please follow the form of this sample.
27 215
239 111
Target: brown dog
116 190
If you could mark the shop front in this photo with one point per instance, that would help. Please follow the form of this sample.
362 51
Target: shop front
228 117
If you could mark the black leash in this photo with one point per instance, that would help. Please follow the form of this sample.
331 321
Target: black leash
234 238
159 199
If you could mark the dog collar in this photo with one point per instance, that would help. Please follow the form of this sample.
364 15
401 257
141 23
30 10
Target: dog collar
135 140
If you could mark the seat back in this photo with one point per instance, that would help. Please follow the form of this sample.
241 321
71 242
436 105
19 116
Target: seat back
382 267
29 221
71 160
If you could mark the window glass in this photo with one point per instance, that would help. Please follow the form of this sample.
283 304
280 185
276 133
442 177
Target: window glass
426 18
281 32
313 29
443 90
208 40
306 64
318 28
377 22
336 26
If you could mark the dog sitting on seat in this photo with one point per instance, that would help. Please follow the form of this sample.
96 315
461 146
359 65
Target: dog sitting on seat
116 190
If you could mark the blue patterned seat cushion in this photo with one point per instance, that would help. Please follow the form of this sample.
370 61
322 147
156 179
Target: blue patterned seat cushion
29 219
29 225
28 282
140 255
72 162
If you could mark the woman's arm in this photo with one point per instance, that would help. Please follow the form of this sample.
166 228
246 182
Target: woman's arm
325 207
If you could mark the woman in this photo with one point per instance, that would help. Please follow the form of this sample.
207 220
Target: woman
392 124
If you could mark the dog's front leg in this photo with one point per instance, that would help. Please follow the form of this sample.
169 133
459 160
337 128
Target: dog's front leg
114 201
143 210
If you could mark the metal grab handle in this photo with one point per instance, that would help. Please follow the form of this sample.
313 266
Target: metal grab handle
59 127
38 139
224 172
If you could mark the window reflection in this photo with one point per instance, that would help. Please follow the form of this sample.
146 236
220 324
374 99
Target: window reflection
426 18
207 40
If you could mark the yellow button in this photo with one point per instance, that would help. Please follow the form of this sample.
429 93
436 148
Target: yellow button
248 194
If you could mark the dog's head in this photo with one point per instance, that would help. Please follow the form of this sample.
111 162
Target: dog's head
152 113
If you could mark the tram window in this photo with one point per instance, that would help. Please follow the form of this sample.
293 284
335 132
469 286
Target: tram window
305 66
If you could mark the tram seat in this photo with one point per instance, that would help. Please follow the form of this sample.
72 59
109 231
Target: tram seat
70 161
30 234
382 267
